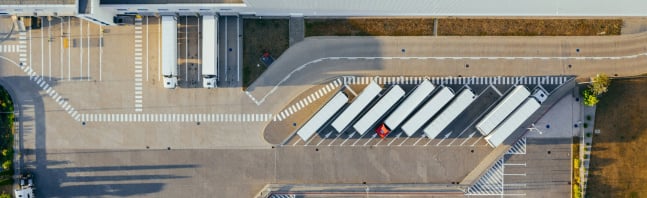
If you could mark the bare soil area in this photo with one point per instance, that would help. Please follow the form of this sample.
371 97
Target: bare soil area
618 163
462 27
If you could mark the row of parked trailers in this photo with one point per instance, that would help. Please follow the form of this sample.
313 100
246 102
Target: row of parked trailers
494 126
209 51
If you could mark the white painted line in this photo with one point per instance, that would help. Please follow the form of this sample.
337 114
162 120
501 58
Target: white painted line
347 138
468 137
369 140
396 137
422 137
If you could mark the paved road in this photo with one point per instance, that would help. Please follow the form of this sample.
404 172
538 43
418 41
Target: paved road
310 62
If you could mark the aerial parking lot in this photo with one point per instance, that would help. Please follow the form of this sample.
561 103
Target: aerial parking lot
156 105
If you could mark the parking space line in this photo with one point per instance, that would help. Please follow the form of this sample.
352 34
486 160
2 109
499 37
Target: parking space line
445 137
468 137
405 140
477 140
49 41
295 142
421 137
396 137
371 139
337 135
347 138
89 54
360 137
324 138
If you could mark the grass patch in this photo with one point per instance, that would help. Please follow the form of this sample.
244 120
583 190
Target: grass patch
617 163
6 144
260 36
461 27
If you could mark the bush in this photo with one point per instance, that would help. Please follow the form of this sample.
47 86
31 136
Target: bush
577 193
590 99
588 117
585 125
5 152
599 84
6 165
5 195
588 134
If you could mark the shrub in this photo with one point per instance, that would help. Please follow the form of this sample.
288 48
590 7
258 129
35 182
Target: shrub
588 117
590 99
588 134
599 84
6 165
5 152
5 195
585 125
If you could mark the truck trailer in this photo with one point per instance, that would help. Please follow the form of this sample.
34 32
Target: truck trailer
209 51
169 51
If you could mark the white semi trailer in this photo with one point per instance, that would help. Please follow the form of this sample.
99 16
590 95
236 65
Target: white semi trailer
209 51
169 51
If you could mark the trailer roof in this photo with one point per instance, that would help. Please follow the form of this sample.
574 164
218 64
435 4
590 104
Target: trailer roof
513 122
169 45
460 103
406 108
503 110
209 48
378 111
427 111
322 116
358 104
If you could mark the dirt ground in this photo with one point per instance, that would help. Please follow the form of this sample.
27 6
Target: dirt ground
618 159
262 35
462 27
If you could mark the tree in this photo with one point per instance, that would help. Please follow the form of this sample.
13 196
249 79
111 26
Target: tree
599 84
5 195
590 99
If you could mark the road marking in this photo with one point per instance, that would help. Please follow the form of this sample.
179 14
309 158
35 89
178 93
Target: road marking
405 140
238 48
369 140
347 138
477 140
186 48
325 137
295 142
453 140
446 136
89 54
139 97
421 138
514 174
80 49
511 164
337 135
69 49
159 51
396 137
468 137
360 137
42 50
